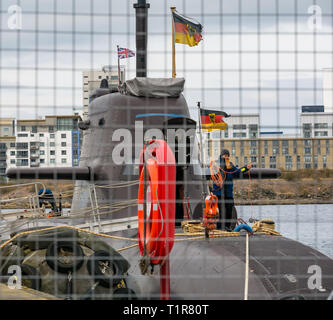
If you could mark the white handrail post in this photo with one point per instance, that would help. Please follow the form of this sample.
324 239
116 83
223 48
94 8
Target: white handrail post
92 207
97 210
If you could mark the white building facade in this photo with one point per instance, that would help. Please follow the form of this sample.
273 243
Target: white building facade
91 80
328 90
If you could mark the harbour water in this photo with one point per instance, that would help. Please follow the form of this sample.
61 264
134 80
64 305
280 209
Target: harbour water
311 224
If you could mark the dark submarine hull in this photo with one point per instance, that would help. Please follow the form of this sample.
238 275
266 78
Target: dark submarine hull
214 269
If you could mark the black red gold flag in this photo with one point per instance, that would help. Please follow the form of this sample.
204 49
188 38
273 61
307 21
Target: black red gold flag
213 120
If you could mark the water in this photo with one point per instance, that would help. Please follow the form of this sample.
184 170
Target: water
310 224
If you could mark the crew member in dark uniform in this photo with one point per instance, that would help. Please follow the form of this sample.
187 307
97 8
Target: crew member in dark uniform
47 196
226 193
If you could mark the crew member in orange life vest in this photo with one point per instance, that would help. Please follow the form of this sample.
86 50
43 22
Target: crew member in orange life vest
226 193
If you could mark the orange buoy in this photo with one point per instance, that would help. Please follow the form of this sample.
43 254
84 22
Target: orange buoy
211 212
156 234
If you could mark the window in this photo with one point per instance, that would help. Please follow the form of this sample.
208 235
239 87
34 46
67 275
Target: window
239 134
285 147
23 128
318 147
12 161
327 147
295 147
288 162
22 162
42 152
321 125
254 160
52 136
63 135
12 145
52 144
6 129
226 134
22 145
22 154
272 162
307 159
63 144
315 162
22 135
307 143
298 164
52 152
41 134
263 161
236 161
253 143
42 160
307 150
34 129
276 147
245 160
42 144
51 128
253 151
63 152
52 160
64 124
12 153
266 147
324 161
63 160
321 133
239 126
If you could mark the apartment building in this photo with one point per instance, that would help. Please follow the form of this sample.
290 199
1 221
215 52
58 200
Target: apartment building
53 141
285 153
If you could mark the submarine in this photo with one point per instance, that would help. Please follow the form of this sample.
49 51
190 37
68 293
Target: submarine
119 129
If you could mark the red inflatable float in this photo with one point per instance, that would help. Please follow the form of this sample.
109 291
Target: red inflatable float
160 164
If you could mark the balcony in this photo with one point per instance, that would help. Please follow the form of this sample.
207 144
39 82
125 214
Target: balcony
34 164
34 147
34 155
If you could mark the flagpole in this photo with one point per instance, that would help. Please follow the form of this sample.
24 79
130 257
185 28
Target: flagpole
173 45
118 67
203 173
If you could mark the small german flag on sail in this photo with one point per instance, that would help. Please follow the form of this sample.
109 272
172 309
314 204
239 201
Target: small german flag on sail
213 120
186 31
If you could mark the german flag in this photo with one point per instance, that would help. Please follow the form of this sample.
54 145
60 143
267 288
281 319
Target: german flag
186 31
213 120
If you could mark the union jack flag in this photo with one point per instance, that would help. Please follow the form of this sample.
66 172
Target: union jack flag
125 53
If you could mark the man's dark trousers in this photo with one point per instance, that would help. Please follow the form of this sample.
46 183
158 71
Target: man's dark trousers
225 212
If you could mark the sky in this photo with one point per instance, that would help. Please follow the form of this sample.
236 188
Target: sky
257 56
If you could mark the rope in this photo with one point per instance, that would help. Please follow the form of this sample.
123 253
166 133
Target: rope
246 285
